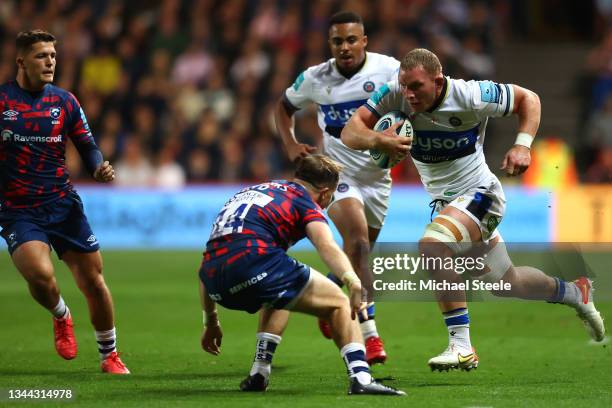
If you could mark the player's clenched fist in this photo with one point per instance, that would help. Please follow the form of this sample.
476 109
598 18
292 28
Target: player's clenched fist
104 173
517 160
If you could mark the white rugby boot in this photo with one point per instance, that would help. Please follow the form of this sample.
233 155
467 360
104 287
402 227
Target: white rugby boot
454 358
590 316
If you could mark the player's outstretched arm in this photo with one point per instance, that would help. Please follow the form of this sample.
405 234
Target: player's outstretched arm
104 173
285 125
321 237
528 109
358 135
212 335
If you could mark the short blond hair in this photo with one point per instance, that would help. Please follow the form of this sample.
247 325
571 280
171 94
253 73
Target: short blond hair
319 170
424 58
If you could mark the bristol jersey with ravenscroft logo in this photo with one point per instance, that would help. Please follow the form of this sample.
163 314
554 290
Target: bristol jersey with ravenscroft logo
338 98
448 138
268 215
34 128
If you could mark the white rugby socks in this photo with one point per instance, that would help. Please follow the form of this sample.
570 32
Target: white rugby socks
353 355
458 325
264 352
107 342
61 311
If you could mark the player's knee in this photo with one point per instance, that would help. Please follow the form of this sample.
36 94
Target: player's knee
92 284
344 308
37 271
43 282
499 266
510 277
340 306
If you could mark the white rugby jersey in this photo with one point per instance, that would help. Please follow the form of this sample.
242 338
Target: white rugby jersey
338 98
447 146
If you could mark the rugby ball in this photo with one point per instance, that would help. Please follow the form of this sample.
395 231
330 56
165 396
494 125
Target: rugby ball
382 159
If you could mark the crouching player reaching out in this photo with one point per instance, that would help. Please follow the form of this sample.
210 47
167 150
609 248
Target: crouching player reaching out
246 267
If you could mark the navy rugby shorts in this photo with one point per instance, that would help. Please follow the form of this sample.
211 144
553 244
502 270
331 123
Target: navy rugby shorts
61 224
273 280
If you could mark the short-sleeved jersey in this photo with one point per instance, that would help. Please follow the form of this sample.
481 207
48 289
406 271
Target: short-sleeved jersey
338 98
447 146
257 218
34 128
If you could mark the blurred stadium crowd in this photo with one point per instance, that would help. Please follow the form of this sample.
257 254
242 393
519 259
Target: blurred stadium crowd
595 156
182 91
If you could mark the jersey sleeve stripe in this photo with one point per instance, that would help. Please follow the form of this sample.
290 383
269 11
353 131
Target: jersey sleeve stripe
373 110
288 103
509 100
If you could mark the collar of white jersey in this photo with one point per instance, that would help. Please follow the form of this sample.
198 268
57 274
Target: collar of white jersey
339 74
442 97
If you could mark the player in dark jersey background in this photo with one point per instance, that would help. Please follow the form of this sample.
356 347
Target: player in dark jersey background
246 267
39 207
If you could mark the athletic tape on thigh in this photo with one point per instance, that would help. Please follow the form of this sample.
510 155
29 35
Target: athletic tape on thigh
451 234
498 262
439 232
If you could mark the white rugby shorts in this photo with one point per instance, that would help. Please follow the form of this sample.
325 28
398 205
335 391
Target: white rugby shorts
374 197
484 204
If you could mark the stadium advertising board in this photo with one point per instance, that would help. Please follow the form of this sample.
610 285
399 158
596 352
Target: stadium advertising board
159 219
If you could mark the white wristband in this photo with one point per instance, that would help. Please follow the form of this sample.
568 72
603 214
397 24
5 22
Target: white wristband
349 278
524 139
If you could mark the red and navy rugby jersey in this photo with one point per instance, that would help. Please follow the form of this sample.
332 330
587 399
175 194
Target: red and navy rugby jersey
34 128
268 215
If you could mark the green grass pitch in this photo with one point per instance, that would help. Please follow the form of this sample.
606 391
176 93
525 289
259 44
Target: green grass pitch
532 354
